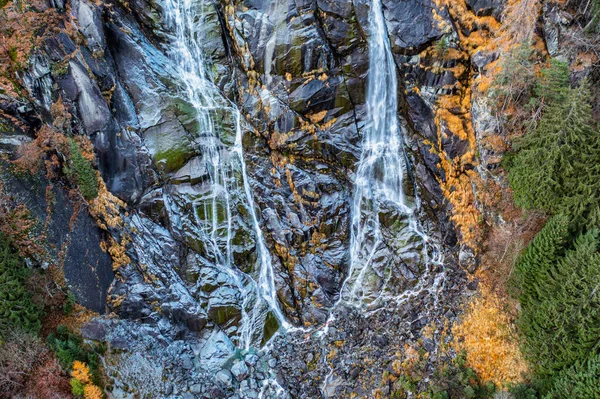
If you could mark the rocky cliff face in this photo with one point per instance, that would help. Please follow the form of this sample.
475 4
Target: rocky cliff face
297 72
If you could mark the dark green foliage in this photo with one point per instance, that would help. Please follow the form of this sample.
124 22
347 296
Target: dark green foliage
553 85
70 347
82 172
17 310
524 391
557 168
69 304
540 257
441 395
441 47
12 52
582 380
562 324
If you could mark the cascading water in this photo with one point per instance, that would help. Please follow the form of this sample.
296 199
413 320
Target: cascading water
386 235
387 242
223 158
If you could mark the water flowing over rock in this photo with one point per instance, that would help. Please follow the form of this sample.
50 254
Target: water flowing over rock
283 223
388 250
211 201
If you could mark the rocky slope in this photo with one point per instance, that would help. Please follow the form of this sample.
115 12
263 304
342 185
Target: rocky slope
297 72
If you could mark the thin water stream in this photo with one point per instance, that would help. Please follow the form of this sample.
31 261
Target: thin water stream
225 164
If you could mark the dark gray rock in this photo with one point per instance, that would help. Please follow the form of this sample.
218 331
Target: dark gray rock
240 370
224 377
487 7
94 330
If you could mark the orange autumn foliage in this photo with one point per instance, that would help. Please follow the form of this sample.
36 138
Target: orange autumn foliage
474 32
486 335
91 391
17 225
81 372
453 117
24 27
32 155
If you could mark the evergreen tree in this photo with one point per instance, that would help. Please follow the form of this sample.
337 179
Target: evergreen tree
582 380
557 168
553 85
516 78
17 310
539 257
560 317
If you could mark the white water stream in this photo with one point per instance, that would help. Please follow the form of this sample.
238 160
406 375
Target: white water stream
380 181
225 163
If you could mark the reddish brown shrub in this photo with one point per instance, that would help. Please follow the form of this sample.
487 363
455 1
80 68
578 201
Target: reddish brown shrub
19 355
48 381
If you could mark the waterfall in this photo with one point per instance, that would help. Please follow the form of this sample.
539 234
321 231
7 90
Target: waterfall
385 233
227 178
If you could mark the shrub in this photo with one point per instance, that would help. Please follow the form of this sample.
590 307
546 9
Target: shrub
17 225
485 335
457 380
92 392
82 172
48 381
19 354
77 387
81 371
523 391
81 383
71 350
69 304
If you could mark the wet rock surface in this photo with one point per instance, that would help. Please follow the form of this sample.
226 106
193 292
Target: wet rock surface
297 72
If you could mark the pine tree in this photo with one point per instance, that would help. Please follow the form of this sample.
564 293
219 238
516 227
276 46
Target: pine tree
557 168
540 256
582 380
560 320
553 85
